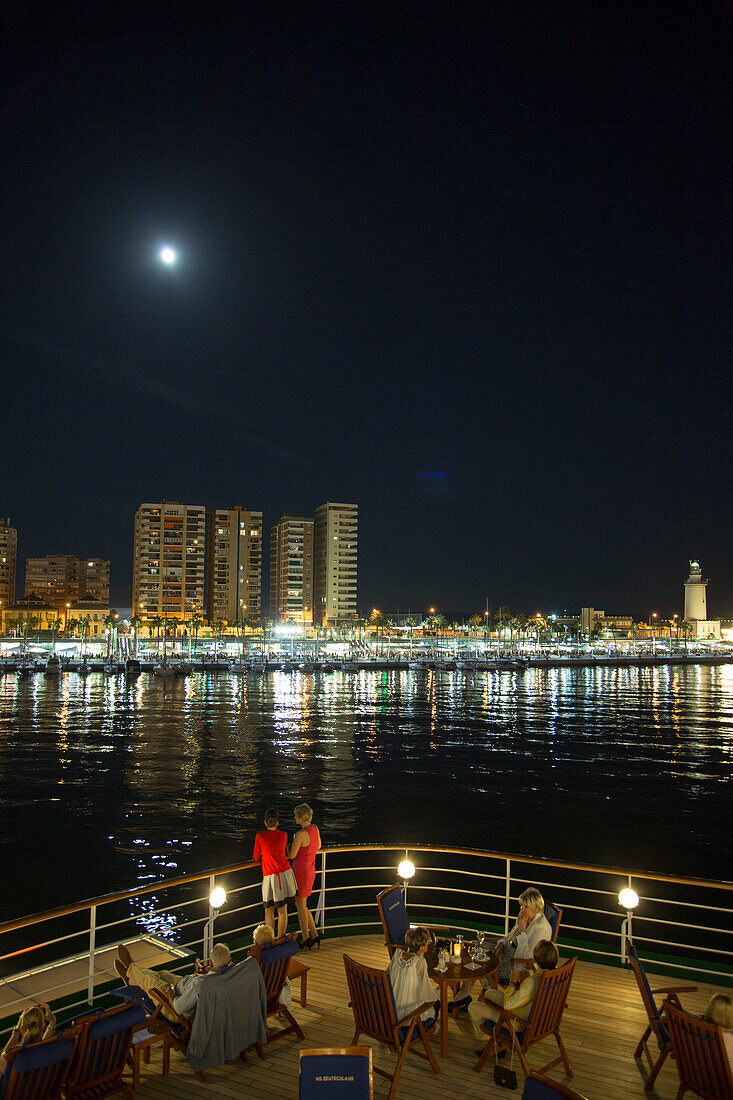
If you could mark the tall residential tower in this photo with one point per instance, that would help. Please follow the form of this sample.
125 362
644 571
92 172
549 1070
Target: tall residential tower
8 558
291 570
233 564
168 561
61 579
335 563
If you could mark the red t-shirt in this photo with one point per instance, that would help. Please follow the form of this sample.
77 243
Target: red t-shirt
271 845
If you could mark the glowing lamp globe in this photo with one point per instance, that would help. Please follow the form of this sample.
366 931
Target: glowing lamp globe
406 869
167 255
217 897
628 898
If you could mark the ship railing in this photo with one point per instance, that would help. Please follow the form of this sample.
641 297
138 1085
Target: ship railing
681 926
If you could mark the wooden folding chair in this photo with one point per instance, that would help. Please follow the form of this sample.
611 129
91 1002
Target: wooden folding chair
700 1054
543 1021
656 1025
539 1087
38 1071
103 1043
375 1015
274 959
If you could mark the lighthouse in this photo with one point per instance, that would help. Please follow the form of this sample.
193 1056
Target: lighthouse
696 606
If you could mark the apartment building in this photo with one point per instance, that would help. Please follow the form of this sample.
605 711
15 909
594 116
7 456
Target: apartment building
61 579
233 565
8 559
291 570
168 560
335 546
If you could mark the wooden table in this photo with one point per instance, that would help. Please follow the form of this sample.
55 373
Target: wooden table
456 972
298 969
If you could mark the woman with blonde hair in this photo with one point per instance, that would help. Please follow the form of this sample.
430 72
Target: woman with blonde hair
34 1023
306 844
408 973
720 1011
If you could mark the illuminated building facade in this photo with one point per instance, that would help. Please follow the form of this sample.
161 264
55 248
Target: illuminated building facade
291 570
234 565
335 553
62 578
8 559
169 560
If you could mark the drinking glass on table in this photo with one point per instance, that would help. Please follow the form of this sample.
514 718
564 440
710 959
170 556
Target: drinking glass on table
474 949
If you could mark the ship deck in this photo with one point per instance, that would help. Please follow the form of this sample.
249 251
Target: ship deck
603 1022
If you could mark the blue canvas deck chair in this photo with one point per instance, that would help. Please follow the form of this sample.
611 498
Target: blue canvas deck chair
657 1025
375 1014
103 1044
393 914
545 1017
38 1072
274 960
153 1030
553 916
336 1073
539 1087
700 1054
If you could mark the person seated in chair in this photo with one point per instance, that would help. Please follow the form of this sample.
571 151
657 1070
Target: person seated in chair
184 990
720 1011
34 1023
517 996
531 927
408 973
263 936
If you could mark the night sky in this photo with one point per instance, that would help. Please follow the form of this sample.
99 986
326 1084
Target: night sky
466 265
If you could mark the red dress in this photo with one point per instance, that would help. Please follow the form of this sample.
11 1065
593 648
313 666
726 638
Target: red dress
304 864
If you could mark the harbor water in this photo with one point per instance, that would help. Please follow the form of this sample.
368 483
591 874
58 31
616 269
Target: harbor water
106 782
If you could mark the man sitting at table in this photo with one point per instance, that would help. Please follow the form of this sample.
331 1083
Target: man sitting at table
517 996
531 927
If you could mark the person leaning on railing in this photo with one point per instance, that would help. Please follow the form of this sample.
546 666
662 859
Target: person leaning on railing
720 1011
184 990
532 926
517 996
34 1023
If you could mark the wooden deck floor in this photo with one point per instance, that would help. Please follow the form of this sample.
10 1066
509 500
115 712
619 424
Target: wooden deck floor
602 1024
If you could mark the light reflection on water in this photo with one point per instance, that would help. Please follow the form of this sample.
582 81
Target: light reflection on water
106 783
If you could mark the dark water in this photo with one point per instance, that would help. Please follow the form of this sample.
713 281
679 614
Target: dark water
105 784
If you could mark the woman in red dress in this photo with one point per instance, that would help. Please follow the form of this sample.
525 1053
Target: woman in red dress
278 881
303 851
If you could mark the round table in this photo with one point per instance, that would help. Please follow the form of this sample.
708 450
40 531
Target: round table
456 971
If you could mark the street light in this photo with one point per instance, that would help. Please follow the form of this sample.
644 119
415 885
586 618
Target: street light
628 899
217 898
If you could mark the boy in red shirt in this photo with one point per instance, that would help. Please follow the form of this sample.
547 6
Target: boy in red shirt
278 881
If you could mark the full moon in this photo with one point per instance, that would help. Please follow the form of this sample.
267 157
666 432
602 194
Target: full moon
167 255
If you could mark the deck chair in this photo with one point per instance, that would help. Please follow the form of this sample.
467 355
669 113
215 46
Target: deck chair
153 1030
38 1072
178 1026
553 915
230 1016
274 959
103 1043
544 1020
375 1014
656 1025
539 1087
700 1054
394 918
341 1073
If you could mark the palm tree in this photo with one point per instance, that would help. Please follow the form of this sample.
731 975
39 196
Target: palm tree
135 622
156 621
71 625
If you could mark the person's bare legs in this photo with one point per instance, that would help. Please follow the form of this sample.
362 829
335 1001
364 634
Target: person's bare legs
308 928
270 917
282 921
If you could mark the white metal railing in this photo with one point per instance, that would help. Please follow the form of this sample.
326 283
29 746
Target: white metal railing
465 889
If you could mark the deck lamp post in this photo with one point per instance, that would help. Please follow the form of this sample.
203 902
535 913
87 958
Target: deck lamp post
628 899
217 898
406 870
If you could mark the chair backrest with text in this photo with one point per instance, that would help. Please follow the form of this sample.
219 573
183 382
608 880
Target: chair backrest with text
37 1072
338 1073
549 1003
393 914
700 1054
553 915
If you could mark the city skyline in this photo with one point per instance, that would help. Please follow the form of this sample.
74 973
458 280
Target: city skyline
469 270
